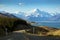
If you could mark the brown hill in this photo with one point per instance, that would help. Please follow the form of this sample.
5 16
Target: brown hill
54 33
43 30
49 28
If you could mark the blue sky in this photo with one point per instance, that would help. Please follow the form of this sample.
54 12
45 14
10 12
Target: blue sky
12 6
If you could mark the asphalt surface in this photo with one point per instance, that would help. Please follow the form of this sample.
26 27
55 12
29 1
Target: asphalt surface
22 36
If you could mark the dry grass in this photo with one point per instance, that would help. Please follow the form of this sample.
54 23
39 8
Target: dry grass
41 31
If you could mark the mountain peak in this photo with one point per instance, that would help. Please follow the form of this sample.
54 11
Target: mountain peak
36 10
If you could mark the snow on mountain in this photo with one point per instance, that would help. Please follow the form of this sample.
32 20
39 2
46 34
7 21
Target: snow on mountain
37 12
36 15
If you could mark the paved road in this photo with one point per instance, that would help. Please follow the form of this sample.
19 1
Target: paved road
15 36
21 36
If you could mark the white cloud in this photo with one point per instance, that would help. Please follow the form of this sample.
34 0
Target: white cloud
21 4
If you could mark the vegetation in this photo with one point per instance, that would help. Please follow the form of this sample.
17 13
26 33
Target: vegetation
11 24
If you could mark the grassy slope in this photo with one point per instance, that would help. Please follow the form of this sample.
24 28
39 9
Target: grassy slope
45 31
11 24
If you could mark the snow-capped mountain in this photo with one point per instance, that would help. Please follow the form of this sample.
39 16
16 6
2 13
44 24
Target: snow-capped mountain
35 14
38 15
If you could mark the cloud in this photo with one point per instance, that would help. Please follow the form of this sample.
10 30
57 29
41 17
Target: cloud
21 4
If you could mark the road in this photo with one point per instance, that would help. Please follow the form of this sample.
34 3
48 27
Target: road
22 36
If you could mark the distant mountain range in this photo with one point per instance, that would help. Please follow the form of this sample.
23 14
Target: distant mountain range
55 18
34 15
37 15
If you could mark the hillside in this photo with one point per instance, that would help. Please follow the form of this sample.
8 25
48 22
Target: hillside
11 23
44 31
54 33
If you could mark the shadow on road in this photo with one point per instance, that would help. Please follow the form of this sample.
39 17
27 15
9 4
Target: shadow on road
24 36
